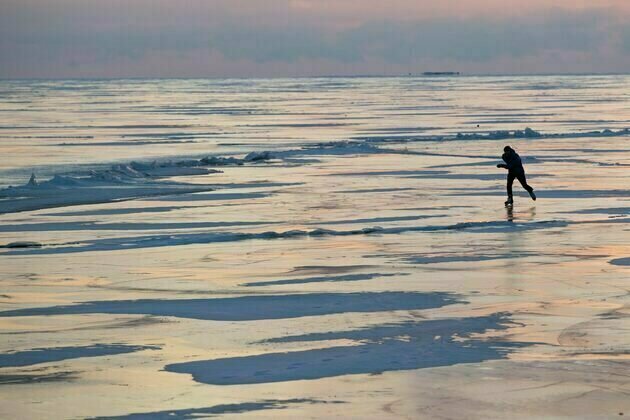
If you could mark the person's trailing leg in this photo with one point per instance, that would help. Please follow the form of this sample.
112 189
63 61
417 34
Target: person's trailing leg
523 181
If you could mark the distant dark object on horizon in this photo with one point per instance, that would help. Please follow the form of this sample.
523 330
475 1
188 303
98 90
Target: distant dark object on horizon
441 73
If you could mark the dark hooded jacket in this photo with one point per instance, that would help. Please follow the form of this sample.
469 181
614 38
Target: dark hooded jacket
513 161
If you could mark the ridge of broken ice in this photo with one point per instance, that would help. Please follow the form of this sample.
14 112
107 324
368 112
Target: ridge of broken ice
180 239
526 133
138 179
529 133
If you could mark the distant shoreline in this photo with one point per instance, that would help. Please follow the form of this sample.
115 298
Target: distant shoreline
438 73
329 76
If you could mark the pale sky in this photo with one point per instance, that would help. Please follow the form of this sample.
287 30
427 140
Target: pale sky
261 38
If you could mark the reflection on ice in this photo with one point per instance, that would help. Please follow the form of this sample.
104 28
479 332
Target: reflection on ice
392 347
87 226
621 261
248 308
55 354
323 279
216 410
551 193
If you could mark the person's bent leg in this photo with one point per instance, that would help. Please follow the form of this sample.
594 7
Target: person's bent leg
521 178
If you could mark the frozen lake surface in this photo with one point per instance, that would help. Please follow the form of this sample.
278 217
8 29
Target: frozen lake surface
314 248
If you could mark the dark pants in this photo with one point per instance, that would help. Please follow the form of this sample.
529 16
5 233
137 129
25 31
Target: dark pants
520 175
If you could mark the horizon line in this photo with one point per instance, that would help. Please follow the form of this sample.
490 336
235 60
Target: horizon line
329 76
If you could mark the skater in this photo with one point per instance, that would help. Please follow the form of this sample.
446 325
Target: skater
515 170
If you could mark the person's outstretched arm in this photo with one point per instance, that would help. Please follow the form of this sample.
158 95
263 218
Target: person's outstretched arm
502 165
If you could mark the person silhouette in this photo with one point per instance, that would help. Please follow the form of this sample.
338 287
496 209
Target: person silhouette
514 166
